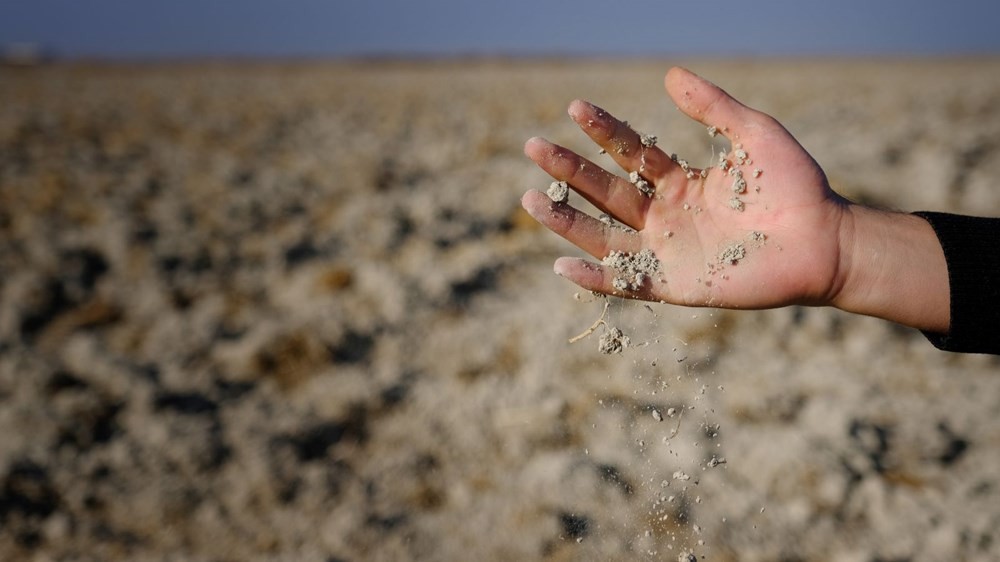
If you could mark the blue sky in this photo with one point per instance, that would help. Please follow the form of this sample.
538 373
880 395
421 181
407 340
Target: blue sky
216 28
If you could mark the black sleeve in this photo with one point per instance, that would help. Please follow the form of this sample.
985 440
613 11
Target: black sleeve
972 249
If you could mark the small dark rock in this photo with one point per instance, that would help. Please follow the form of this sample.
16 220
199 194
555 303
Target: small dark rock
574 526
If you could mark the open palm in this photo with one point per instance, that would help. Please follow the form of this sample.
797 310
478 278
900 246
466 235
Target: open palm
774 241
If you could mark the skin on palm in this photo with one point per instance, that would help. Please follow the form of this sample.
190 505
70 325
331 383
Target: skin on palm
803 220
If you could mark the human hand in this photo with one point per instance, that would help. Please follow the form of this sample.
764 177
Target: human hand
777 241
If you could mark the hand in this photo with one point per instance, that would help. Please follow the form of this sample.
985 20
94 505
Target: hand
786 239
786 221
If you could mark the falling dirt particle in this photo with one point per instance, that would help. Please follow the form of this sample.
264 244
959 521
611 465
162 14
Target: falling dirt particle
732 254
558 191
712 131
703 173
681 475
716 461
740 156
648 141
690 175
671 412
687 207
657 415
736 204
687 557
757 236
602 151
757 172
612 341
668 234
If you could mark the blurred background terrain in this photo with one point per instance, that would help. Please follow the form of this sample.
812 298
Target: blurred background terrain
289 308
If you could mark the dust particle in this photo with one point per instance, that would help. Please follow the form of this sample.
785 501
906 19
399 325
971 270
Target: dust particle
558 191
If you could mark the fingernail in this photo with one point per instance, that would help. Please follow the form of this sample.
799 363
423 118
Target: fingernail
561 267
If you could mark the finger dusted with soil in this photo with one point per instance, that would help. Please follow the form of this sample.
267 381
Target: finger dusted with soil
632 151
608 192
591 235
709 104
602 279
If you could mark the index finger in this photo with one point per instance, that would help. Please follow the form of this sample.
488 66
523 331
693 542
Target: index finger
632 151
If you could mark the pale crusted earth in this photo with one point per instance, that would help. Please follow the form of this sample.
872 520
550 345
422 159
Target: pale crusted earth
296 313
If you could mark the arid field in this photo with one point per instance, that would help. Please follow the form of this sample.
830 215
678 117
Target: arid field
295 312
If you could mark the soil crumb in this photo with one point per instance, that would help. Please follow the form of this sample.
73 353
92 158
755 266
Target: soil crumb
613 341
736 204
558 191
649 141
632 269
641 184
739 184
733 253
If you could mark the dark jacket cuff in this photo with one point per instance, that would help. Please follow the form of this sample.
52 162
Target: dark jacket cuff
972 250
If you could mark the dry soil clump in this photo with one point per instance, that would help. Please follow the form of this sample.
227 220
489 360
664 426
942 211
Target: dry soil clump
558 191
632 269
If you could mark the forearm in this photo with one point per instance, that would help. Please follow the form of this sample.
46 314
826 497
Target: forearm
893 267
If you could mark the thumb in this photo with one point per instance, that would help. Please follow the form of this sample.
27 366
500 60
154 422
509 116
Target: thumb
709 104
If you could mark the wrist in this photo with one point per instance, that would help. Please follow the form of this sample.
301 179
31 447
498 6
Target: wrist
892 267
